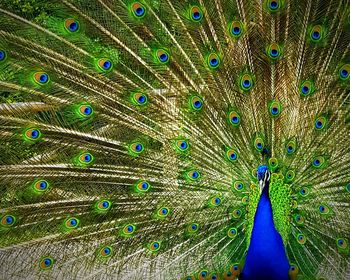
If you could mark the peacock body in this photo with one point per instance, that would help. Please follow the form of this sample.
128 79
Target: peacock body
174 139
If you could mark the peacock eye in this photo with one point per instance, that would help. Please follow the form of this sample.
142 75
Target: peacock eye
196 103
275 108
103 205
138 10
136 148
2 55
41 78
40 186
8 220
139 99
231 155
236 29
213 61
320 123
246 82
46 263
142 186
232 232
85 110
234 118
71 25
128 230
274 51
193 175
316 33
163 56
196 14
32 134
85 158
344 72
306 88
105 64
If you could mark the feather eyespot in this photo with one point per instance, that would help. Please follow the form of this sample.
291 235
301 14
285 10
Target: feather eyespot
46 263
275 109
215 201
316 33
142 186
32 134
324 209
273 5
103 205
136 148
138 10
246 82
196 14
193 175
8 220
235 270
232 232
71 25
236 29
234 118
299 219
40 186
238 186
213 61
196 103
154 246
41 78
193 228
139 99
342 245
301 238
163 212
259 144
85 158
85 110
274 51
320 123
163 56
202 275
307 88
291 146
3 55
182 145
231 155
293 270
71 223
344 72
104 64
319 162
236 213
128 230
290 174
105 251
273 163
304 191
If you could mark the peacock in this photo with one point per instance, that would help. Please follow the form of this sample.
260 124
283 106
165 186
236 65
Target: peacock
175 139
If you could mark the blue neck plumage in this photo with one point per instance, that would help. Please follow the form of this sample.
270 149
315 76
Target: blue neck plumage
266 256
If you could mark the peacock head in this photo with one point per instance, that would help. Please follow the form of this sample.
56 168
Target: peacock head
263 175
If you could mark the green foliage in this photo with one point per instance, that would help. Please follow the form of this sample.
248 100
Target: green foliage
36 10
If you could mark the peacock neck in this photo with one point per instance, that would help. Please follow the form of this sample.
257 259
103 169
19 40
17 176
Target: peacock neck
266 256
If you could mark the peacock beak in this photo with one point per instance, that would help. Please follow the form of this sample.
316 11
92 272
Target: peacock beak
261 185
263 176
